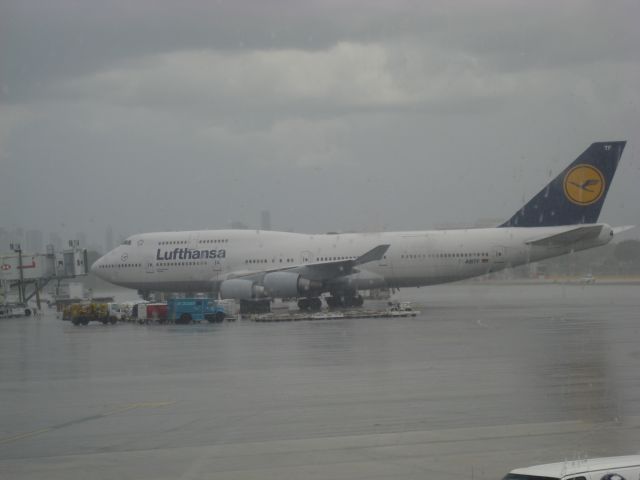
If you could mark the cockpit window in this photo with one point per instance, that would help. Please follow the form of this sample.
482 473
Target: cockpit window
126 242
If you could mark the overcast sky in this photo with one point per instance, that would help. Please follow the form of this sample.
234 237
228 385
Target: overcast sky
333 115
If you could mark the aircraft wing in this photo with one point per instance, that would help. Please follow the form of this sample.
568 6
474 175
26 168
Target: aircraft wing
321 270
568 237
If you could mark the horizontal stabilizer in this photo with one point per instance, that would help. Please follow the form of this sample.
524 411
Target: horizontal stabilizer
624 228
372 255
568 237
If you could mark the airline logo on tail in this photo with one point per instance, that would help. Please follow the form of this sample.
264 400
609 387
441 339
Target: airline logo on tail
584 184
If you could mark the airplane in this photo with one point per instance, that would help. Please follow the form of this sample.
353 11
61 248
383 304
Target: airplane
255 266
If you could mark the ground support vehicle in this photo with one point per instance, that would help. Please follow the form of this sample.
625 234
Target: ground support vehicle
8 310
152 312
83 313
187 310
115 312
608 468
401 309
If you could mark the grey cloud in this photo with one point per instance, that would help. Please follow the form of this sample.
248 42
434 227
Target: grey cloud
68 38
334 115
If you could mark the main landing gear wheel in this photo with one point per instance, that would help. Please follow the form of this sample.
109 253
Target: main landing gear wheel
356 301
255 306
333 302
314 304
344 301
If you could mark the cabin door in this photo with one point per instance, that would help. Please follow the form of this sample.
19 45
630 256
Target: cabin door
148 260
498 258
150 264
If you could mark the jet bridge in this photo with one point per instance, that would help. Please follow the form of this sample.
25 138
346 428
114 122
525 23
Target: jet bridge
28 273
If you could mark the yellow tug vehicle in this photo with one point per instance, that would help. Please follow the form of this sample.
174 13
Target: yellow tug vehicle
83 313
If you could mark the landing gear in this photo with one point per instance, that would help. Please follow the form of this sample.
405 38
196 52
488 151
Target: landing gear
357 301
333 302
313 304
255 306
145 294
344 301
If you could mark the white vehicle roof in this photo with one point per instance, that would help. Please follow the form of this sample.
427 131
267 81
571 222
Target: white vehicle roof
576 467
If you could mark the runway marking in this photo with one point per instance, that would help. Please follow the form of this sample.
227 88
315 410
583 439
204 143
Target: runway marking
125 408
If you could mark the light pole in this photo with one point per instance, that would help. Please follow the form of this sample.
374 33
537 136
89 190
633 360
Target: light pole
18 249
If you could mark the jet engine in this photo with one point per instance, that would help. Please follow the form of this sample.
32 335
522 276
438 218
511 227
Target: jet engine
241 289
288 284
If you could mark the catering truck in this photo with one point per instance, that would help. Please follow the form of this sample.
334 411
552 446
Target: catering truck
151 312
187 310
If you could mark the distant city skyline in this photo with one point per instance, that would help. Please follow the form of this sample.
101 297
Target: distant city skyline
32 240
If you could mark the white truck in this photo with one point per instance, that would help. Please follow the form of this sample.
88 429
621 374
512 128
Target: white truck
607 468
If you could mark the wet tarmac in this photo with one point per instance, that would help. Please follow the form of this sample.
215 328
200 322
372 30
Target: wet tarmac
486 379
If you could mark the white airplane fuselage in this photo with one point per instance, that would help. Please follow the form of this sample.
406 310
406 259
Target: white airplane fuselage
199 261
254 264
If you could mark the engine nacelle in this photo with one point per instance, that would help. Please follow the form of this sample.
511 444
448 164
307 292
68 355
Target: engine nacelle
288 284
241 289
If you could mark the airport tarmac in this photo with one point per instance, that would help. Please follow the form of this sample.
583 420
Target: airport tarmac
486 379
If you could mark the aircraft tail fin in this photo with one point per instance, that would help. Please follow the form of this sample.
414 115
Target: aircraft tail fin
576 195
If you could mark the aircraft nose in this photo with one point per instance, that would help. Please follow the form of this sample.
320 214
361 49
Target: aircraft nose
95 268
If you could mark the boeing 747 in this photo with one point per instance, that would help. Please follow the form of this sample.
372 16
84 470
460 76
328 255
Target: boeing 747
254 265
